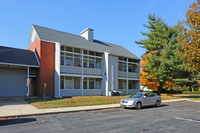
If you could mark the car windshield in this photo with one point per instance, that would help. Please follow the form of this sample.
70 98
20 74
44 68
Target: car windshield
137 95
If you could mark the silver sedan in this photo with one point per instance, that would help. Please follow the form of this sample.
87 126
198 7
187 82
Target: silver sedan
140 100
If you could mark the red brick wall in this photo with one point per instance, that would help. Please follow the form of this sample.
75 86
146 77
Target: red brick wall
46 55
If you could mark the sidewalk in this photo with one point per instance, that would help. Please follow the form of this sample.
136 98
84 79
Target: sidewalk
19 108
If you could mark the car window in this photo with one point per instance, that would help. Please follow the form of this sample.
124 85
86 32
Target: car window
137 95
151 95
147 94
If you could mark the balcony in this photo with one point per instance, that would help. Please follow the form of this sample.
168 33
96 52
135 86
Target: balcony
91 71
78 70
70 69
130 75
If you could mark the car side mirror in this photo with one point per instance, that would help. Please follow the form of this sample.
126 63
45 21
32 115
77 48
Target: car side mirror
144 97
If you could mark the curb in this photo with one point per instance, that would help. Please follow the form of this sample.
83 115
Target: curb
57 112
81 110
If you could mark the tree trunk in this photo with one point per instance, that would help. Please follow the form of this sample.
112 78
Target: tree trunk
190 88
159 89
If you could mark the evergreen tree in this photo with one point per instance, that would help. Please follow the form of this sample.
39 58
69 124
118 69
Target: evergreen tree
163 64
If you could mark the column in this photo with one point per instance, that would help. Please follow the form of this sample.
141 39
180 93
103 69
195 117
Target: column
82 77
106 73
57 70
127 76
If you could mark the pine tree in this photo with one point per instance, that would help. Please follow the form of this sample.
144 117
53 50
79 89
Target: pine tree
164 64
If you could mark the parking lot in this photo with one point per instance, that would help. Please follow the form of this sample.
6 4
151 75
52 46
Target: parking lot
176 117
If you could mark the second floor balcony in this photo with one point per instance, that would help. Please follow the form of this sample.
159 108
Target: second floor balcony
78 70
130 75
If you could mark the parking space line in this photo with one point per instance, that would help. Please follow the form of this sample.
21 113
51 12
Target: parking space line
190 120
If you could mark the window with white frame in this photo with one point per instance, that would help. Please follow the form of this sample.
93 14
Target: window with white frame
72 57
68 83
77 83
85 83
68 59
62 83
122 84
91 83
122 66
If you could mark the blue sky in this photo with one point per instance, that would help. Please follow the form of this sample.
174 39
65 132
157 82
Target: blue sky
116 21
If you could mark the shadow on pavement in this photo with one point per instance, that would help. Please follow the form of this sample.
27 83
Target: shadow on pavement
148 107
16 121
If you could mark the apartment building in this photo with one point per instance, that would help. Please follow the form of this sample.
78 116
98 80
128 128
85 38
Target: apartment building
73 65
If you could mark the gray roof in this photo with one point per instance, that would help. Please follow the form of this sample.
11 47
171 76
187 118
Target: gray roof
19 57
46 34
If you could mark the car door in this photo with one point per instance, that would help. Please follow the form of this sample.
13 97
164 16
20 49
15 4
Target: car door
152 99
145 99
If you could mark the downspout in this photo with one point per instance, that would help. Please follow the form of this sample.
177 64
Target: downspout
28 80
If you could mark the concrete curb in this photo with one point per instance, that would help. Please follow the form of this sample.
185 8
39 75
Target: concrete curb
82 110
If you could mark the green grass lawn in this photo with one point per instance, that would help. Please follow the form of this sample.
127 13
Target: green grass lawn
75 101
195 99
82 101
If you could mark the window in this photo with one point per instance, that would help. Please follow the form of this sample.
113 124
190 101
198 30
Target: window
98 63
77 50
85 83
68 83
77 83
122 84
98 83
77 60
62 83
122 67
130 85
85 51
69 49
98 54
62 48
62 61
91 62
130 68
69 59
91 53
91 83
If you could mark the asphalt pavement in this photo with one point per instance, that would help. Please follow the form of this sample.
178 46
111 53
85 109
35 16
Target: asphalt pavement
183 117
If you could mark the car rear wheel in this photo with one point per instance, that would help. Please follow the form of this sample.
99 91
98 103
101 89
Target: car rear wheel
138 105
157 103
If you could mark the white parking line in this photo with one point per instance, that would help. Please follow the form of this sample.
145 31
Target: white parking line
190 120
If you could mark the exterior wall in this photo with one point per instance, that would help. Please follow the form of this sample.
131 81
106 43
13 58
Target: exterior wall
13 82
112 76
46 56
78 92
130 92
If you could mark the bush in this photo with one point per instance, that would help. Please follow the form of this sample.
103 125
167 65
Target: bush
191 92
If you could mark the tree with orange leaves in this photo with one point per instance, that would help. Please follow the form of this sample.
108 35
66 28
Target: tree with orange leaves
190 38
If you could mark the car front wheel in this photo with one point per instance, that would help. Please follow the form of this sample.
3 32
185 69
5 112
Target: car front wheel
138 105
157 103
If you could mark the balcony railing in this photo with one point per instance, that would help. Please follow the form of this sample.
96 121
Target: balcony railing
78 70
130 75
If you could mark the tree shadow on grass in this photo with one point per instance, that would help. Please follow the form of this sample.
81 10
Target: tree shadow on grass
16 121
191 96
